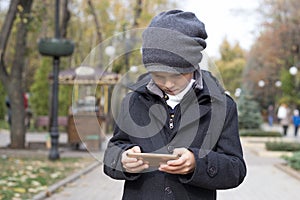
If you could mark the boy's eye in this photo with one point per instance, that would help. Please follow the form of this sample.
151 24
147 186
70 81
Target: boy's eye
176 75
158 77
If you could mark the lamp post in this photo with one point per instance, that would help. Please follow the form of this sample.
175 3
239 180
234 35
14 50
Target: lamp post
267 91
55 47
54 134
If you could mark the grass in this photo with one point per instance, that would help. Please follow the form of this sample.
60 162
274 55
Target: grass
22 178
4 124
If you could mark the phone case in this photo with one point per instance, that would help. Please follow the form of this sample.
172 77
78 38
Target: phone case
153 159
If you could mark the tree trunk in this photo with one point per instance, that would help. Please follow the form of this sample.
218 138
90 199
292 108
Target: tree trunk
97 23
65 19
18 128
137 13
13 81
98 30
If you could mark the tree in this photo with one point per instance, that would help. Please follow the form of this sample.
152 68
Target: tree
2 102
26 21
40 86
11 74
40 89
231 65
275 50
248 111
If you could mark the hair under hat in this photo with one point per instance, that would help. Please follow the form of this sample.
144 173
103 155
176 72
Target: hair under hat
173 41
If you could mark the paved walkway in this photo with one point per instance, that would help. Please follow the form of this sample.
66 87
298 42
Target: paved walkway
31 137
264 181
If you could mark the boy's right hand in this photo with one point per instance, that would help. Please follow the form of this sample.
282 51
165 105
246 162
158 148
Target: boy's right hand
133 165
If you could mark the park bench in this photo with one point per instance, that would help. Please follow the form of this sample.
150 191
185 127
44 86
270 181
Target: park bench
43 121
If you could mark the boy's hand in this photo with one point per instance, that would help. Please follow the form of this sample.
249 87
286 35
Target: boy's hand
184 165
133 165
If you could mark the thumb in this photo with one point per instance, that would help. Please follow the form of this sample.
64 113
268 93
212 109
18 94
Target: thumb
179 151
136 149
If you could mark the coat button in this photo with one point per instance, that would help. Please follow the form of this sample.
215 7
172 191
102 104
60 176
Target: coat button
170 149
168 190
212 171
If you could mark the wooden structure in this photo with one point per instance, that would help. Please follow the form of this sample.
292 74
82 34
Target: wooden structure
87 120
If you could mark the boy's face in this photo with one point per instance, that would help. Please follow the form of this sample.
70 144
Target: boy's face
171 83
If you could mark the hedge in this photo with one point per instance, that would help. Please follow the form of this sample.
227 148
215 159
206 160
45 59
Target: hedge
294 161
283 146
259 133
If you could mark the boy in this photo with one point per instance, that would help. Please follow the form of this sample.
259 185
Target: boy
176 109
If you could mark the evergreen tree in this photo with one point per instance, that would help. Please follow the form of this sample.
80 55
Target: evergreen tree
64 99
40 89
248 111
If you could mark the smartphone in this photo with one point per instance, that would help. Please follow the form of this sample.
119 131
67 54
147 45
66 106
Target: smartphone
153 159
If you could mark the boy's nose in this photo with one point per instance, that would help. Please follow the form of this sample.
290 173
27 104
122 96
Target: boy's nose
169 84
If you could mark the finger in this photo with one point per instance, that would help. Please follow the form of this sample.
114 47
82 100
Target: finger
176 170
171 167
134 164
129 160
179 161
171 171
137 169
136 149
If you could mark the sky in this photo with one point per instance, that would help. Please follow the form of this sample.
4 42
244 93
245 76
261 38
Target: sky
237 20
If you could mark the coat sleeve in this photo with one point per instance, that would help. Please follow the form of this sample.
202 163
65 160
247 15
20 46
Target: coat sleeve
119 143
224 166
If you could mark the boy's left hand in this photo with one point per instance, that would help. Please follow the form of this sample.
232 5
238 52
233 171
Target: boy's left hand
184 165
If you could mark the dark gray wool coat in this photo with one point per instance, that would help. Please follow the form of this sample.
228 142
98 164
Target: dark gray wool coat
205 122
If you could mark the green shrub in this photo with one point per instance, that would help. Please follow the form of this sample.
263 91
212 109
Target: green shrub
283 146
259 133
4 124
294 160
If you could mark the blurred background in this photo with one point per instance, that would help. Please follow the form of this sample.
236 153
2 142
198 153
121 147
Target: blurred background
45 46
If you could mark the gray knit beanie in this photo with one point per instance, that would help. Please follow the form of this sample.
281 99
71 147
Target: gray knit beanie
173 42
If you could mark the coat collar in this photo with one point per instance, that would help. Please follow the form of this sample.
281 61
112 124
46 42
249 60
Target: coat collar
205 84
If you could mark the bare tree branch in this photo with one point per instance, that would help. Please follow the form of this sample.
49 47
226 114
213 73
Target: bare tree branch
4 35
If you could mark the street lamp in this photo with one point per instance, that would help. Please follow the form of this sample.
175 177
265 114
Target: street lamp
261 83
134 69
293 70
55 47
110 51
237 92
278 84
267 90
